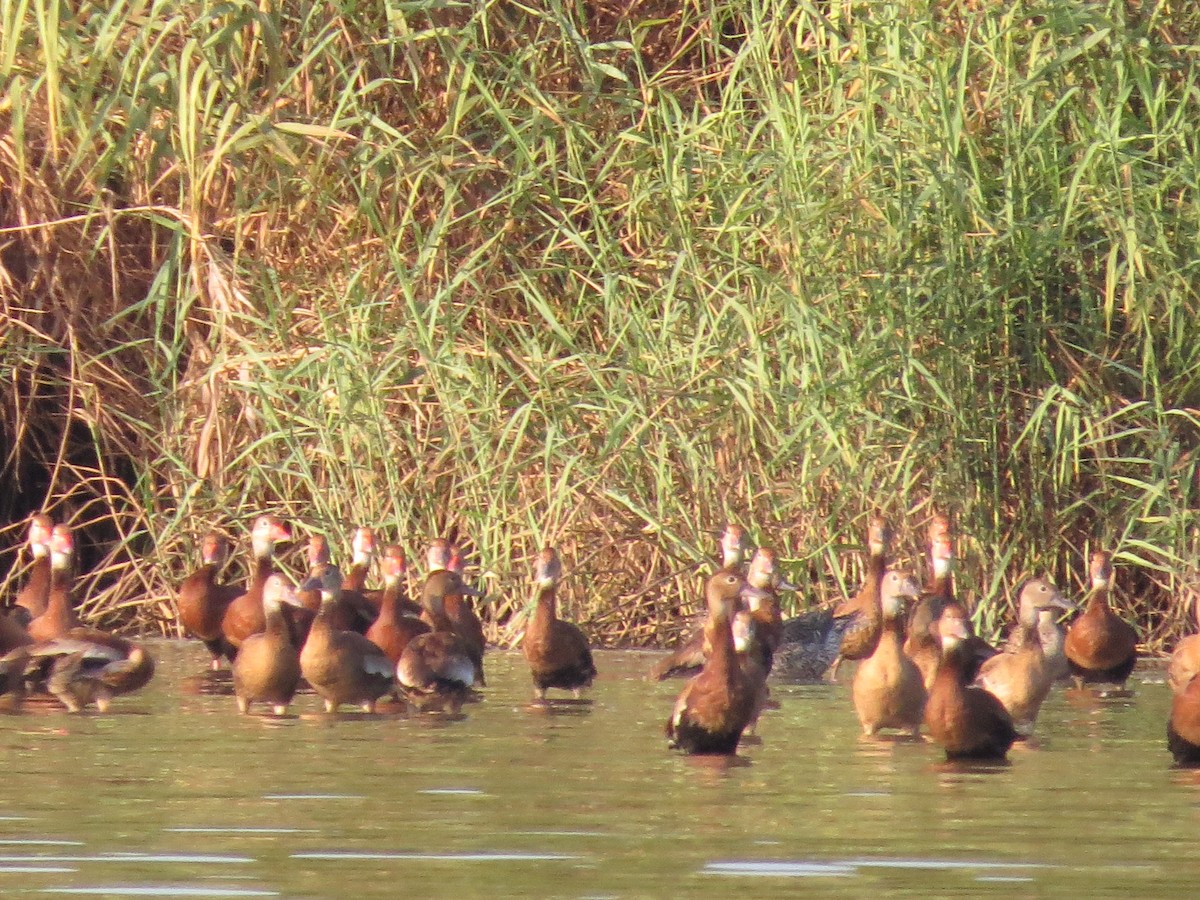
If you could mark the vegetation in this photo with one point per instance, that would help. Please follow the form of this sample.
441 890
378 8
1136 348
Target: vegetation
606 275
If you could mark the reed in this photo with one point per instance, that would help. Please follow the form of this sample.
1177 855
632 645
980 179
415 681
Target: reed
605 275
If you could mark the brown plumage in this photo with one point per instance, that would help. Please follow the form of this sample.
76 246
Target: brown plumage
1185 660
267 667
35 593
244 615
1183 725
1101 647
437 669
557 651
395 625
318 557
342 666
59 616
363 551
715 706
969 722
444 595
202 600
921 644
1021 676
86 666
888 689
861 611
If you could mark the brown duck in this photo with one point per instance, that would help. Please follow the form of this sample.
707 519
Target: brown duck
35 593
244 615
396 623
556 650
59 616
202 599
1101 647
267 667
862 614
888 689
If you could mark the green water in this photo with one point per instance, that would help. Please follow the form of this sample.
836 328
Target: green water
175 795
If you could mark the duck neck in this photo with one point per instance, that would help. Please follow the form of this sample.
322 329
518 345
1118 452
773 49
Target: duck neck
356 578
722 658
953 667
546 610
892 631
264 567
276 627
876 567
1098 599
389 601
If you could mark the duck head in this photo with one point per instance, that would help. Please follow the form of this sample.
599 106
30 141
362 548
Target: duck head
363 546
214 549
328 581
40 528
393 564
879 536
896 587
318 553
1100 570
276 592
438 555
62 547
266 533
1038 594
548 569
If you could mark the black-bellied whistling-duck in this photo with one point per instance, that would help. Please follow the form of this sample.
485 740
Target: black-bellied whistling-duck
864 619
1185 660
922 645
716 706
59 616
317 556
1183 726
444 595
1101 647
396 624
35 594
888 689
202 599
362 547
267 667
557 651
86 666
437 669
342 666
969 722
764 574
244 615
1021 675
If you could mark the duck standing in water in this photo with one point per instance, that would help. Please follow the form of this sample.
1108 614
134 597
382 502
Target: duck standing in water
35 593
267 668
59 616
864 620
1022 674
443 602
557 651
922 645
888 689
969 722
202 600
716 705
343 667
244 615
1101 647
397 622
437 669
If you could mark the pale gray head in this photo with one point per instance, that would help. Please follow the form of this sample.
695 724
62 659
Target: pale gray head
1038 594
896 587
328 581
277 591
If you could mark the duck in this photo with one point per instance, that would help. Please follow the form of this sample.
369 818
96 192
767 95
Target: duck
688 657
244 615
59 616
1022 674
396 623
1101 647
437 669
888 689
317 556
443 598
557 651
202 600
922 645
267 667
342 666
765 613
86 666
35 593
716 705
362 546
864 619
1183 724
968 721
1185 660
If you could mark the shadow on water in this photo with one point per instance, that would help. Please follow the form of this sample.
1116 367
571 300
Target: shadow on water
175 794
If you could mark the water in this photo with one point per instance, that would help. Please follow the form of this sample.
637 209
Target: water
174 795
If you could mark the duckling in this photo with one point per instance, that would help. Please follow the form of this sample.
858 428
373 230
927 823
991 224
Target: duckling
888 689
1021 676
202 599
86 666
395 625
59 616
342 666
862 612
1101 647
1185 660
922 645
716 705
267 668
35 594
244 615
969 722
557 651
1183 726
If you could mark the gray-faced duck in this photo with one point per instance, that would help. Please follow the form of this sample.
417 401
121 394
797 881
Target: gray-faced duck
1101 647
202 599
397 622
86 666
717 704
59 616
1022 674
557 651
968 721
267 667
888 689
1183 725
342 666
244 615
35 593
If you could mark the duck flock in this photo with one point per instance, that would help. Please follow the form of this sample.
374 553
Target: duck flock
919 664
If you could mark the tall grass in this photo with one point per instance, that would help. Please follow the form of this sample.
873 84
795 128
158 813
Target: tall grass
604 276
